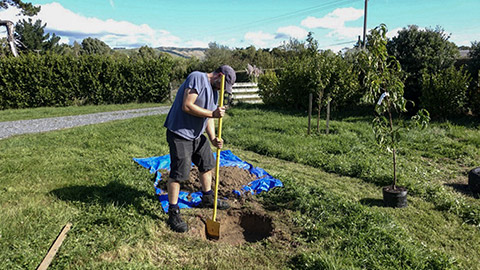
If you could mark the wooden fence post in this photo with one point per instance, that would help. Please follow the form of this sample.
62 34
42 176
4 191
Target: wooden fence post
328 117
310 102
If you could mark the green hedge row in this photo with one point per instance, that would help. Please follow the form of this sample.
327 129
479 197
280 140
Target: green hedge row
444 93
33 80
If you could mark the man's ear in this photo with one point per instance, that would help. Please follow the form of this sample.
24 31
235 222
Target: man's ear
217 75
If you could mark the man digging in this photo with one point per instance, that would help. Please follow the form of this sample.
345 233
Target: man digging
192 114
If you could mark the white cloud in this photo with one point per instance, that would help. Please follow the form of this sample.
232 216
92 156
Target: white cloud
112 3
336 48
312 22
347 14
346 32
465 39
293 31
72 26
10 14
259 39
64 40
394 32
335 21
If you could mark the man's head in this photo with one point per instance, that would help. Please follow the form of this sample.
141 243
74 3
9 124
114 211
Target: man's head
230 77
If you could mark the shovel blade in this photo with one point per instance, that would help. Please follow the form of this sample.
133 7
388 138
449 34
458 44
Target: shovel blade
213 229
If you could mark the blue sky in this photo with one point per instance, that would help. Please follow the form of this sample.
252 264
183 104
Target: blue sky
239 24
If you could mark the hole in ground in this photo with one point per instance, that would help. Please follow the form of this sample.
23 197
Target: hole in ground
236 227
256 227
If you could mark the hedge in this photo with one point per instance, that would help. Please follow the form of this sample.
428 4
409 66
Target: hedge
33 80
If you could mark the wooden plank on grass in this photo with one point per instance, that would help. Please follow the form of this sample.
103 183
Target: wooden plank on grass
54 248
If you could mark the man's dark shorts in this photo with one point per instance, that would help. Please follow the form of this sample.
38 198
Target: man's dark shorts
183 152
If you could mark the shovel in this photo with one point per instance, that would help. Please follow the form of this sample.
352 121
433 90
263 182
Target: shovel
213 227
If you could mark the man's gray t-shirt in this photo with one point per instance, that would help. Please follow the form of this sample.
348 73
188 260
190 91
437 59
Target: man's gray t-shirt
186 125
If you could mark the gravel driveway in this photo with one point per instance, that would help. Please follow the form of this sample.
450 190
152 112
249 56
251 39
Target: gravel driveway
11 128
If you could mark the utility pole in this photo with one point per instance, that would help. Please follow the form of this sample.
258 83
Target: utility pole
365 23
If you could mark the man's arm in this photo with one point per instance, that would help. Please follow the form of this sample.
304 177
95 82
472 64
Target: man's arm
211 134
211 129
189 106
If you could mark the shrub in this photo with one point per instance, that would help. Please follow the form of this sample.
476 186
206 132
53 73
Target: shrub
268 86
296 81
326 75
474 68
33 80
444 93
416 50
344 84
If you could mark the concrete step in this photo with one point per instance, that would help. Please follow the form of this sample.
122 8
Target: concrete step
246 92
246 96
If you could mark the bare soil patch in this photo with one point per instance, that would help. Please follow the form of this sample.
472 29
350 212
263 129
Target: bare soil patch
245 222
231 178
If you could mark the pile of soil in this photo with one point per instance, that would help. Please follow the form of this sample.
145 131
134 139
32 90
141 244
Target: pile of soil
245 222
231 178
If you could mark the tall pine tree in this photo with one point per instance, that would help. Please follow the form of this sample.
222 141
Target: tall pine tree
32 36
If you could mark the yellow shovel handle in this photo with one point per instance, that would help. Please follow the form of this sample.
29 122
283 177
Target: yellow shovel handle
217 167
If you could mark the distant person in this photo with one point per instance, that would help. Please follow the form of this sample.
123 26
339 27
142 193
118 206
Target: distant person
192 113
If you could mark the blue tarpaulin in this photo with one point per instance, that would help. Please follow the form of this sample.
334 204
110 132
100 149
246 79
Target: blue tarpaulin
263 181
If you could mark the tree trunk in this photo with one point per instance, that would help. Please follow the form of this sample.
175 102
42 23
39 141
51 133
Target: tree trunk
310 102
10 37
394 169
394 185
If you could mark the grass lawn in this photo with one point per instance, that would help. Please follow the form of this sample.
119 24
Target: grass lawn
329 211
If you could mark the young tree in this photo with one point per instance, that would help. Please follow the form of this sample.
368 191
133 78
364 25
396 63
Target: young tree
335 78
342 84
384 79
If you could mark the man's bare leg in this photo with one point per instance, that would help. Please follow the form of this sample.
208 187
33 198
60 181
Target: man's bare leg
206 180
173 188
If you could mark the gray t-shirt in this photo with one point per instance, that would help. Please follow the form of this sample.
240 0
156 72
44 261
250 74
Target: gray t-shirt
186 125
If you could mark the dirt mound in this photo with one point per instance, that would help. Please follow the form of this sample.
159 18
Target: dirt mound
246 220
231 178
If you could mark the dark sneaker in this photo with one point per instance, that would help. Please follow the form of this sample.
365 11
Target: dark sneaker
207 202
175 221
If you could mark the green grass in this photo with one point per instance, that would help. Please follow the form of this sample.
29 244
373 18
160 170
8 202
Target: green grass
330 202
430 162
44 112
342 217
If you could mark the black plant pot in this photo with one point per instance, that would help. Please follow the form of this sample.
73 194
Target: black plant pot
474 180
396 198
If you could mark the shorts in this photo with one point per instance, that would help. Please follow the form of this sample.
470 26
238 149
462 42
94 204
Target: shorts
183 152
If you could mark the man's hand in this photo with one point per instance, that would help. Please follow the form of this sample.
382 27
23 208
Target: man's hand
219 112
218 143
